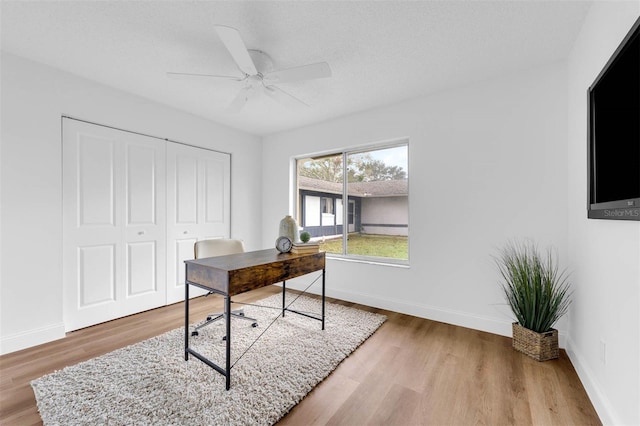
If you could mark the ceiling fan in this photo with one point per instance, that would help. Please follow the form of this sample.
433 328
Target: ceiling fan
258 77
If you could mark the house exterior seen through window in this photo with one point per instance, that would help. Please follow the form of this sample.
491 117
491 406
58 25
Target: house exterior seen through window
374 221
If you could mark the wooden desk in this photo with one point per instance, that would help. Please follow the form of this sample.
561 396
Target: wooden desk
237 273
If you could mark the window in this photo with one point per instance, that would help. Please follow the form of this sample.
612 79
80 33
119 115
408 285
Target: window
327 205
374 223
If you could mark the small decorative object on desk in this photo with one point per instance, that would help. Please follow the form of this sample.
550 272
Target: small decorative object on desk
305 248
284 244
305 237
289 228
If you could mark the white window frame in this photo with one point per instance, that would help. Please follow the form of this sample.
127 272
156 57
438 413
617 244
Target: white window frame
344 152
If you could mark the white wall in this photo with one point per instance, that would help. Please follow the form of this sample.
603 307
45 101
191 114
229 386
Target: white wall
487 163
604 254
34 97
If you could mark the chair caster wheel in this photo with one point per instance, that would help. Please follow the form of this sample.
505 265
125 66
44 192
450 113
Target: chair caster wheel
254 325
208 318
224 337
194 333
241 314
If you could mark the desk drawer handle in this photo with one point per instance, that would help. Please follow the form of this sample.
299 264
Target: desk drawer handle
140 232
184 232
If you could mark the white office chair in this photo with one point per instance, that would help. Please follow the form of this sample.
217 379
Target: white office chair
212 248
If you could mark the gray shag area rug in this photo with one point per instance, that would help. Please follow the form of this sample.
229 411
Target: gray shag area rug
150 383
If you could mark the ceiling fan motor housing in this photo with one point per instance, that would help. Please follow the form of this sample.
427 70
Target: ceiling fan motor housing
262 61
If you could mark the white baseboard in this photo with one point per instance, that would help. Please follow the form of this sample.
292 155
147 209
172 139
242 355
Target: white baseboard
449 316
600 402
29 338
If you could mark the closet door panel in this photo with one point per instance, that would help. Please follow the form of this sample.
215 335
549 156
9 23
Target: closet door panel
113 223
141 268
145 229
184 251
96 275
141 185
96 173
186 184
198 207
214 193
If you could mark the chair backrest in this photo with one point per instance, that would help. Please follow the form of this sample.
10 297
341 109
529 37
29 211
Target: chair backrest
217 247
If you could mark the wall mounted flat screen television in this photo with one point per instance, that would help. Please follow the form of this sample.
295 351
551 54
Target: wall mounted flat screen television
614 134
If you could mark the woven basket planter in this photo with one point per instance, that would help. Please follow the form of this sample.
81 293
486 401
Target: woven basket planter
539 346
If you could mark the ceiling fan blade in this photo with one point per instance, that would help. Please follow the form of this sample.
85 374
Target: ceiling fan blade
236 47
240 100
304 72
283 97
190 76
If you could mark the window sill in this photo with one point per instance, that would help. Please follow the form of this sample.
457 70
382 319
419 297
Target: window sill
404 264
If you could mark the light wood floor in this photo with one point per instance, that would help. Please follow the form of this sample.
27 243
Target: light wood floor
412 371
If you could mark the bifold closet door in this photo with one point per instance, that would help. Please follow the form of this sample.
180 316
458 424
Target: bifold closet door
114 223
198 207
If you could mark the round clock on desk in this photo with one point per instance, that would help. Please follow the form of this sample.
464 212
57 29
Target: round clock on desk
284 244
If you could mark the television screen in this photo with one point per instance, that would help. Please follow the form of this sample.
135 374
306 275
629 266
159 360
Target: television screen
614 134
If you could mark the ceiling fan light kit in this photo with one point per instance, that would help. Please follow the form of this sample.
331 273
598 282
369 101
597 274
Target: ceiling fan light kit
258 76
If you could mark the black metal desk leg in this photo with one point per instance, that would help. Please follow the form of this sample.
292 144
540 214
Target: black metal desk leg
227 314
186 320
323 298
284 290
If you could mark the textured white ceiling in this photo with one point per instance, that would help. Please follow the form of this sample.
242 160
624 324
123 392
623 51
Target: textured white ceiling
380 52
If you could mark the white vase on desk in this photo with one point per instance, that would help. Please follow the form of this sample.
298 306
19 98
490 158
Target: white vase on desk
289 228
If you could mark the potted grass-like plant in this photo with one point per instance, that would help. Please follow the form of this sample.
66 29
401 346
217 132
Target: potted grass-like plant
538 294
